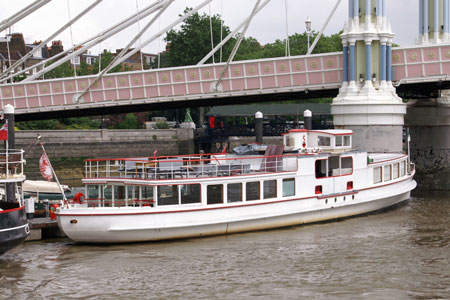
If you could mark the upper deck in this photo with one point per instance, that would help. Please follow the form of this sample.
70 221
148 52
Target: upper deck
191 166
11 166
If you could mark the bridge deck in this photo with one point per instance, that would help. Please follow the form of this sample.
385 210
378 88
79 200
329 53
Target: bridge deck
267 76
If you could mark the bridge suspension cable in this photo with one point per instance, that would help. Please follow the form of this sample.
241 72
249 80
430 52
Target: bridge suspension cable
316 40
164 30
233 33
22 14
125 50
236 46
87 44
56 33
288 47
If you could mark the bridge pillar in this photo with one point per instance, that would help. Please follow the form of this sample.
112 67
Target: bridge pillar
429 119
429 123
433 21
368 105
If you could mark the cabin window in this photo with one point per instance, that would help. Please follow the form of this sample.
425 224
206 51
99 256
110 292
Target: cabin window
377 175
252 191
395 171
387 173
324 141
339 141
346 165
107 195
288 187
214 194
270 189
333 166
190 193
403 168
132 193
168 195
346 140
321 168
92 192
147 195
234 192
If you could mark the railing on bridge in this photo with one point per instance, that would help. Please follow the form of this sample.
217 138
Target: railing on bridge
416 64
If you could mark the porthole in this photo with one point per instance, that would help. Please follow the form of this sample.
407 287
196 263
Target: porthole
344 198
353 197
335 200
326 201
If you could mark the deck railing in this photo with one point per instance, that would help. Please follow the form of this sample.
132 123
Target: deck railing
11 164
190 166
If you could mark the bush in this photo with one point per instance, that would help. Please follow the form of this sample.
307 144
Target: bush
162 125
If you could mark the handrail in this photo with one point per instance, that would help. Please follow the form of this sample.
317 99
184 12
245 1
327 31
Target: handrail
218 165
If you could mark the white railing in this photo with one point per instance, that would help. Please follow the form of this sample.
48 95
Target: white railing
11 164
194 166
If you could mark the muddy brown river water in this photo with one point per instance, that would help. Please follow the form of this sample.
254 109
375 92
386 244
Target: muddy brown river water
399 254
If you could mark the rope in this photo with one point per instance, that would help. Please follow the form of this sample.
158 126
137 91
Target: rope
221 27
139 29
288 48
159 44
71 39
211 30
7 45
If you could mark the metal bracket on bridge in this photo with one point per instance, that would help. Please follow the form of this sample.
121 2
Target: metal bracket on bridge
77 98
216 87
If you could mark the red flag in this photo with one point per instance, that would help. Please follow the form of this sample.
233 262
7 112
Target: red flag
4 132
45 168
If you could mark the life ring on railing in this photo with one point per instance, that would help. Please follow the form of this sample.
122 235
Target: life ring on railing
78 198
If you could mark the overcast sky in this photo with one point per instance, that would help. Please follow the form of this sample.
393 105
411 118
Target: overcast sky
266 27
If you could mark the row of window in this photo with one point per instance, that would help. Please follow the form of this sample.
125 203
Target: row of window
190 193
334 166
389 172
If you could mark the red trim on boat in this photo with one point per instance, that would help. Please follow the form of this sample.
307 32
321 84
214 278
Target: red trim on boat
10 210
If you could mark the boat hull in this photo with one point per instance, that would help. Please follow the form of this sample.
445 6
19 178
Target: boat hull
14 228
119 225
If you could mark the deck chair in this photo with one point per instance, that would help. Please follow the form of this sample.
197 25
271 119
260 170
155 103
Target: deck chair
272 159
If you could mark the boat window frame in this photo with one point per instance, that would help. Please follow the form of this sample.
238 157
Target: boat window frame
389 167
329 172
258 190
264 189
378 170
396 174
241 193
283 189
222 193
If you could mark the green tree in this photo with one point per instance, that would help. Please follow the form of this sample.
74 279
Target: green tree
130 122
61 71
189 44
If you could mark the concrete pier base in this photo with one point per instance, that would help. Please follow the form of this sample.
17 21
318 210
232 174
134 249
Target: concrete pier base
429 123
376 119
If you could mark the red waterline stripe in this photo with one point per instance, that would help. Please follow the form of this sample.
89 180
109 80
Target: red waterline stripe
10 210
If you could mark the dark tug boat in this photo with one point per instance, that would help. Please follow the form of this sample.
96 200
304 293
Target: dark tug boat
14 227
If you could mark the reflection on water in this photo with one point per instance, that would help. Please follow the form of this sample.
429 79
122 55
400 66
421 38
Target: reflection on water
399 254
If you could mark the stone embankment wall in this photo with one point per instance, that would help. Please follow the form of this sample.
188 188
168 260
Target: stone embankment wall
67 149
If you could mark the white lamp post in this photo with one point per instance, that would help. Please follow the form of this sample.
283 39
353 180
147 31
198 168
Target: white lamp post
308 30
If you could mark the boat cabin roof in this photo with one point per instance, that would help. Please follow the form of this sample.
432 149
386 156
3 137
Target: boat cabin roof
335 140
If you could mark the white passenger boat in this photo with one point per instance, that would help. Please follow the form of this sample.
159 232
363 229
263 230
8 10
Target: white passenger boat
313 177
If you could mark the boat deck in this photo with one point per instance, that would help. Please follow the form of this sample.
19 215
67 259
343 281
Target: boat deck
195 166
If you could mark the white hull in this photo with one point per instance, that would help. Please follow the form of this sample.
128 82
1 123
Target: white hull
134 224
